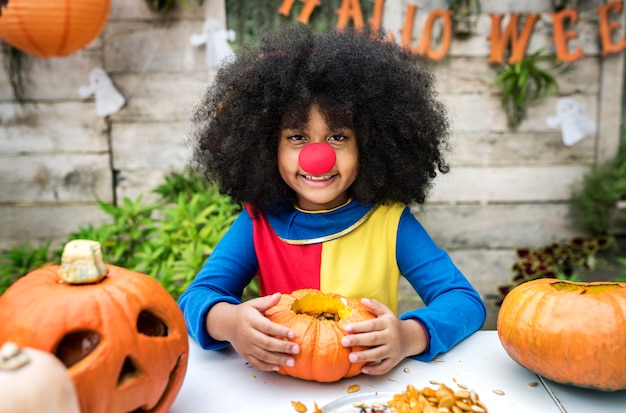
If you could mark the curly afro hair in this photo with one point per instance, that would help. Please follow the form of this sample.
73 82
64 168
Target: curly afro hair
360 80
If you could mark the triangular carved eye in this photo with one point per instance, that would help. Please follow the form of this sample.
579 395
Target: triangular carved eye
129 372
76 346
151 325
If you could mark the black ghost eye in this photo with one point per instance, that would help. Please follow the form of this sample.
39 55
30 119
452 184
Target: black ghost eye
76 346
151 325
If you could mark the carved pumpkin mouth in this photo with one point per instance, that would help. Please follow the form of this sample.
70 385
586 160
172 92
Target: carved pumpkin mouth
166 391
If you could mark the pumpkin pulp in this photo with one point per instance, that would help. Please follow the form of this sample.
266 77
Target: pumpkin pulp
321 307
584 288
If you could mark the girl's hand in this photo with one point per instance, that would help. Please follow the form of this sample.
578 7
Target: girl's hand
390 339
252 335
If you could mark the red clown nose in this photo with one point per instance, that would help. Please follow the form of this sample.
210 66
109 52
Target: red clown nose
317 158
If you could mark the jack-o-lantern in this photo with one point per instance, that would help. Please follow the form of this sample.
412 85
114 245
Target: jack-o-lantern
317 320
120 334
48 28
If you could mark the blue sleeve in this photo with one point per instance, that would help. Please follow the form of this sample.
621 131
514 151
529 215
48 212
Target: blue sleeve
454 309
229 269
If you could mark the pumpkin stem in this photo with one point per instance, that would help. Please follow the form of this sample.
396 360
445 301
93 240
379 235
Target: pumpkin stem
12 357
82 262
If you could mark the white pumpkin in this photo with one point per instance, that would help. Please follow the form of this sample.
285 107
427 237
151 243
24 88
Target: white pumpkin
34 381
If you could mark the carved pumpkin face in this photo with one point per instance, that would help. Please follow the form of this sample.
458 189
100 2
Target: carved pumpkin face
123 339
317 319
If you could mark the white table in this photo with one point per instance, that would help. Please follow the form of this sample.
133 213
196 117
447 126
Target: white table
220 381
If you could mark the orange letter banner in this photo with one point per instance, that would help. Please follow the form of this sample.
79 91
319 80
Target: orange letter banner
377 15
499 41
561 37
350 8
305 13
607 28
425 45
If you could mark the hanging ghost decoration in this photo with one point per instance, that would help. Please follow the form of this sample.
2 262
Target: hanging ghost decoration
215 40
108 99
575 125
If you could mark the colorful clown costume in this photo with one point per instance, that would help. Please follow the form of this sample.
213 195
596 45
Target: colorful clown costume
354 250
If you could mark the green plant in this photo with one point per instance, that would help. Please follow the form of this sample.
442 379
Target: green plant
169 238
594 198
563 261
522 83
20 260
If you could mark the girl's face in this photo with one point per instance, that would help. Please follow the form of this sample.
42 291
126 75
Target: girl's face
329 189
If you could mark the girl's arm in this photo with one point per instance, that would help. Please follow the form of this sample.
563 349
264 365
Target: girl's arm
229 269
454 309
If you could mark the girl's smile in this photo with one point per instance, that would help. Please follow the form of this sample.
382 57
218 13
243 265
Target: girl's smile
318 191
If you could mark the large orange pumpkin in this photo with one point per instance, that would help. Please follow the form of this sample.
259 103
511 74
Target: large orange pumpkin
569 332
48 28
317 319
122 338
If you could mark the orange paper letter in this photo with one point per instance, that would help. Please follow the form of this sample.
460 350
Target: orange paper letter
350 9
425 45
499 41
607 28
561 36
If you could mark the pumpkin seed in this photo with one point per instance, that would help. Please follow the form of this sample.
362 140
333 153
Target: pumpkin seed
441 400
499 392
300 407
354 388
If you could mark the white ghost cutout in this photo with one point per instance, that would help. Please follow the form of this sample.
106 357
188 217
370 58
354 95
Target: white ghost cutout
216 40
108 99
575 125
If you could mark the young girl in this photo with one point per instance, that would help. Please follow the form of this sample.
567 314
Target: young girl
326 138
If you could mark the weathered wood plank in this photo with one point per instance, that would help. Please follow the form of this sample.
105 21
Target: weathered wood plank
485 113
59 127
53 78
487 148
507 184
57 178
39 223
160 96
140 46
141 182
150 146
464 226
475 75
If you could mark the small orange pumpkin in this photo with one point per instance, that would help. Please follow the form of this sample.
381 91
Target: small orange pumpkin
47 28
569 332
317 319
119 333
